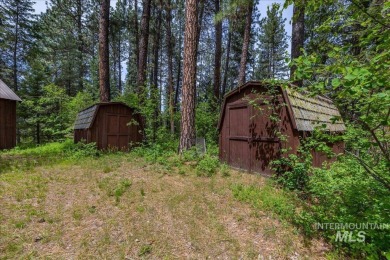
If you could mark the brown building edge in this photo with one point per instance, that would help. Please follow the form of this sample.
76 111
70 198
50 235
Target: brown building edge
7 124
8 100
109 126
246 139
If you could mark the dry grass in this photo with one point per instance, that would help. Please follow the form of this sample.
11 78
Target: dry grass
119 207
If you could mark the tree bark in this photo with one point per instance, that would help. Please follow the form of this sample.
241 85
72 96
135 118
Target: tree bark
297 37
80 45
200 21
170 67
218 54
136 32
245 45
154 80
133 45
227 60
15 49
104 67
143 50
15 64
187 135
179 62
119 65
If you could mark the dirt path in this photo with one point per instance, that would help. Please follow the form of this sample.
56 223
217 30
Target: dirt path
125 209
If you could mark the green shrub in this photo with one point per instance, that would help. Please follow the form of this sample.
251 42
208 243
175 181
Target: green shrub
278 201
344 193
207 166
206 120
224 170
157 153
292 171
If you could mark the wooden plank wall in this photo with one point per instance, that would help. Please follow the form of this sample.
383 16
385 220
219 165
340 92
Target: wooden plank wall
263 145
7 124
98 131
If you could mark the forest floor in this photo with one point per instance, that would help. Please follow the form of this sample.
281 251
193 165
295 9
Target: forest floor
121 207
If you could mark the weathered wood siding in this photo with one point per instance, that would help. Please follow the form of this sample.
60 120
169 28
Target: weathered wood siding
248 139
111 129
7 124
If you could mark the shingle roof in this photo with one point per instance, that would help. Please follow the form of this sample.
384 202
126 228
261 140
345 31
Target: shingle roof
85 117
7 93
307 112
310 112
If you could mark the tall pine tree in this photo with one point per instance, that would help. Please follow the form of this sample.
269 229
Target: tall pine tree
17 20
273 45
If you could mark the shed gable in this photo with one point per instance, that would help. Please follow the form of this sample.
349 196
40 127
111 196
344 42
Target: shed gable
306 112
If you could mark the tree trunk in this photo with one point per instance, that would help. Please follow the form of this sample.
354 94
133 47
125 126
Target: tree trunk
187 135
15 49
179 63
15 64
245 45
218 54
226 69
155 89
143 51
133 45
119 65
80 45
136 32
297 38
170 67
104 67
200 20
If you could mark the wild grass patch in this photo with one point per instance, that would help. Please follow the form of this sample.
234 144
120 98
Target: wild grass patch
26 159
114 187
283 204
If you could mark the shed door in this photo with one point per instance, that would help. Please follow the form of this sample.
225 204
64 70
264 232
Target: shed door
264 144
239 153
118 131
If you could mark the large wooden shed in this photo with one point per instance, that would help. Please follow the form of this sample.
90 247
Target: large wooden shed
248 138
112 125
8 101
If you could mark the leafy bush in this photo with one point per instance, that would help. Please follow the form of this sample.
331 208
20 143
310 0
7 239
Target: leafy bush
292 171
161 152
81 150
206 121
207 166
224 170
344 193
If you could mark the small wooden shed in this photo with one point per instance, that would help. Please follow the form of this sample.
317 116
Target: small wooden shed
112 125
8 101
248 137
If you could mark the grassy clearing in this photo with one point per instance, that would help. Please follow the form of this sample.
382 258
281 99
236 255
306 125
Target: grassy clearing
123 205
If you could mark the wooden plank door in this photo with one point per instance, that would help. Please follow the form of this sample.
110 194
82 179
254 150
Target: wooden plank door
264 144
239 153
118 131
